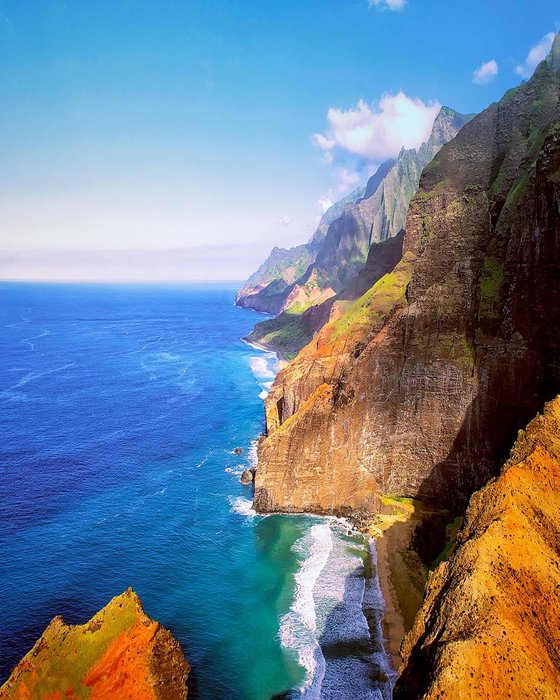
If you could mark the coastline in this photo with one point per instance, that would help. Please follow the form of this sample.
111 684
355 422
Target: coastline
402 582
393 622
281 360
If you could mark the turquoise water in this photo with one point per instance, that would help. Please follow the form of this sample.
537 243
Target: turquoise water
121 407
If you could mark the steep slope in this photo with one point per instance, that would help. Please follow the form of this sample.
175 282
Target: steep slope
264 290
119 653
345 250
489 627
268 288
422 384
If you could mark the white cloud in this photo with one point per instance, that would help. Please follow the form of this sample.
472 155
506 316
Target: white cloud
324 203
387 4
347 180
535 56
486 72
375 133
285 221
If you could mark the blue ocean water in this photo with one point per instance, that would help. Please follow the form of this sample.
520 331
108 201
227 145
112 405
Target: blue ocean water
120 409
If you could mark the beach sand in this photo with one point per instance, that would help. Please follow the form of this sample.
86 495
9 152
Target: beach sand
402 577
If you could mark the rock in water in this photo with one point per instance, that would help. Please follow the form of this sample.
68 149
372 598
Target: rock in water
119 653
238 451
489 627
248 475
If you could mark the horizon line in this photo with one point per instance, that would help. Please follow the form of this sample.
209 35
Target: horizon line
93 280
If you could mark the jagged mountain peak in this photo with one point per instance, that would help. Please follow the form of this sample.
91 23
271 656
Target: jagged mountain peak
553 57
446 125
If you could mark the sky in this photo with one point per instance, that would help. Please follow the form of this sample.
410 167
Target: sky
183 139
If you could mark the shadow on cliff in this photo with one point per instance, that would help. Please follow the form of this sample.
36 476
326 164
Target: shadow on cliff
482 444
451 484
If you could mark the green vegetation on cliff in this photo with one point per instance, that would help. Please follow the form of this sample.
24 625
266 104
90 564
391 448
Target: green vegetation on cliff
370 309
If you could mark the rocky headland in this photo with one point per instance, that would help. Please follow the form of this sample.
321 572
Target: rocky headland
119 653
420 386
315 283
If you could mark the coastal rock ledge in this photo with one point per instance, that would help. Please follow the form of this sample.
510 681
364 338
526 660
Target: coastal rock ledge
489 627
119 653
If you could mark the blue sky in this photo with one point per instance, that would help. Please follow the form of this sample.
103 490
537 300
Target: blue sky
148 125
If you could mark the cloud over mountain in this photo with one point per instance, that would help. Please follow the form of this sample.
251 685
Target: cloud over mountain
536 54
376 132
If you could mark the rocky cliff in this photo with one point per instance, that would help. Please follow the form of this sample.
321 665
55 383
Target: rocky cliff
419 388
377 214
489 627
119 653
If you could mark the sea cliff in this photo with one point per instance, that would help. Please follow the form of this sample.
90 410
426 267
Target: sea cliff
315 283
489 627
119 653
420 386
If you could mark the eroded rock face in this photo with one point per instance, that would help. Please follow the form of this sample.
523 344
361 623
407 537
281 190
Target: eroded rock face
119 653
419 388
289 332
489 627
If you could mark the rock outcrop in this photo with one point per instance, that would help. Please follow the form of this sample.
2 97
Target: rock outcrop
338 257
119 653
248 475
489 627
419 388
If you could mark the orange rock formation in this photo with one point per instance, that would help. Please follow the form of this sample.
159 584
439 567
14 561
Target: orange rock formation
120 653
489 627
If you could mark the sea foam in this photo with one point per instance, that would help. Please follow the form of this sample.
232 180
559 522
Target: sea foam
331 600
298 626
242 506
343 595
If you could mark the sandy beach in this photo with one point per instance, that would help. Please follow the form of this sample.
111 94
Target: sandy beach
401 574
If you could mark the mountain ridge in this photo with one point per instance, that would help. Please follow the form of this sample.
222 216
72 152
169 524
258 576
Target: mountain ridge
419 388
344 252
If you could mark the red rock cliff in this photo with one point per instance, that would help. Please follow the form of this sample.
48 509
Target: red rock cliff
489 627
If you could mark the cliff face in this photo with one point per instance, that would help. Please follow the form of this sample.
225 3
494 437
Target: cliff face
421 385
119 653
264 290
489 627
342 268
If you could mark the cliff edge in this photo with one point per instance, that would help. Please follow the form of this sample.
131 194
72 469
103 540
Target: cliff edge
489 627
119 653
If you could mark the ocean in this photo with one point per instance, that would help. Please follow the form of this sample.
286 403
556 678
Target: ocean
121 407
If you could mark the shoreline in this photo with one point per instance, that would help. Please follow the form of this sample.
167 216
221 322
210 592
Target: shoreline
395 623
392 622
281 361
402 582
